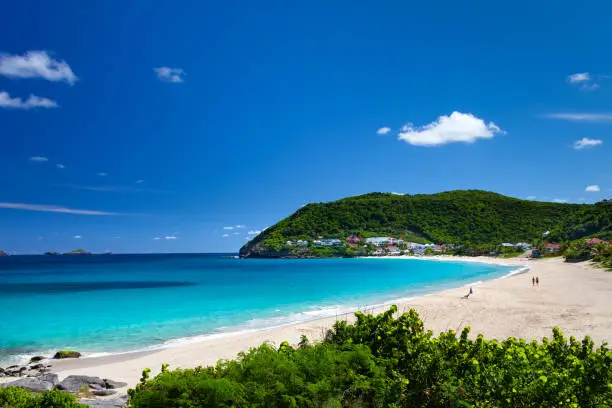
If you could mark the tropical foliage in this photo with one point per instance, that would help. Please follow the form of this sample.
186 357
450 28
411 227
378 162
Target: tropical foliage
590 220
14 397
382 361
470 218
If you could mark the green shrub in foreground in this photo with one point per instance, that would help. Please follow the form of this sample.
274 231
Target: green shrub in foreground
14 397
382 361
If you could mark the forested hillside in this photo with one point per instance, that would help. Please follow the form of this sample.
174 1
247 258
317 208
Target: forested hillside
456 217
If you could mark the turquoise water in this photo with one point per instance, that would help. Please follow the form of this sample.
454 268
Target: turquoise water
112 303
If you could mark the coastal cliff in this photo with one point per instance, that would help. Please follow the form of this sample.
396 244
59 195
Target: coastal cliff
459 217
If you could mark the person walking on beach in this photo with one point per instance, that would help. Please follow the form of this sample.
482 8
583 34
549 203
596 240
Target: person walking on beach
538 281
533 281
469 293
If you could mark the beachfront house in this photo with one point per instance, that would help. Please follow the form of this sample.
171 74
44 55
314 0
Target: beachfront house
522 246
378 241
507 245
327 242
393 250
353 240
300 242
289 243
552 248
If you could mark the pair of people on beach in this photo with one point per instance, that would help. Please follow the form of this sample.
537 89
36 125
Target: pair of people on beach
469 293
535 280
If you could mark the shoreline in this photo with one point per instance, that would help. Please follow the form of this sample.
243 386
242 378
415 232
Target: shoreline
501 307
338 312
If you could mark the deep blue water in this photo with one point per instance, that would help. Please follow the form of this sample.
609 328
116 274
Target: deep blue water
109 303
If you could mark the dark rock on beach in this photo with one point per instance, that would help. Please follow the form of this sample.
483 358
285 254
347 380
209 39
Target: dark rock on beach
31 384
103 392
36 359
66 354
106 402
110 384
49 377
76 383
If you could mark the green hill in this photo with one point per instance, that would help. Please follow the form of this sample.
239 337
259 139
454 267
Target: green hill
456 217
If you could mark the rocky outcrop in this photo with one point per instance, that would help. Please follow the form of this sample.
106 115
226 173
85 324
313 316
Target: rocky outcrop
106 402
95 385
110 384
66 354
78 383
35 384
40 380
2 253
32 370
36 359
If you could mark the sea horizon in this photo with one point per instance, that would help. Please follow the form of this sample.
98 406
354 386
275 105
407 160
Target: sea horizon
102 305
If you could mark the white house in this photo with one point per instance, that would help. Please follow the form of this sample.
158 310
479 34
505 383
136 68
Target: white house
328 242
507 245
289 243
378 241
301 243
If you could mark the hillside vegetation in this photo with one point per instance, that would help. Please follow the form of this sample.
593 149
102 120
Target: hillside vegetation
455 217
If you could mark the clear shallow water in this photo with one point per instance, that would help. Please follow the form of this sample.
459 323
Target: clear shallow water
111 303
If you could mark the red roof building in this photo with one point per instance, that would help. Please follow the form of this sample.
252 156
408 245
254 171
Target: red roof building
353 240
594 241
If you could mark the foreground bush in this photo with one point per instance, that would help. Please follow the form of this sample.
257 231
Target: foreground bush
384 362
14 397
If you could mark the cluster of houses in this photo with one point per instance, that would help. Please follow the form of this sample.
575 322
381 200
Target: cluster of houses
397 246
383 245
554 248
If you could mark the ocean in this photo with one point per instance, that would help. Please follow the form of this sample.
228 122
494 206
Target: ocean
100 304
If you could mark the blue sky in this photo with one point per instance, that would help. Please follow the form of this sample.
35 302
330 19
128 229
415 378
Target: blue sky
152 126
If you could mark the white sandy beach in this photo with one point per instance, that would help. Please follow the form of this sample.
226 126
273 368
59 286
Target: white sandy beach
575 297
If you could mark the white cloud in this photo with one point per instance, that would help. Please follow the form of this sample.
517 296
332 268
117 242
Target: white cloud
234 227
394 193
33 101
168 74
52 208
579 77
170 237
225 235
589 87
254 232
530 197
156 238
77 237
102 174
458 127
139 181
592 188
38 159
383 131
36 64
586 143
236 233
580 117
60 166
559 200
